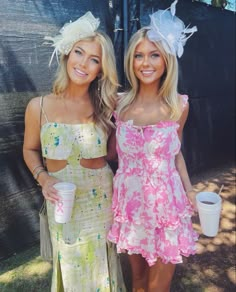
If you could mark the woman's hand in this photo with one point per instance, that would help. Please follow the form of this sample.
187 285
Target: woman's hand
49 192
192 198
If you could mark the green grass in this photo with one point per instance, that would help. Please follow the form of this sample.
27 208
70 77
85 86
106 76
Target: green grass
25 271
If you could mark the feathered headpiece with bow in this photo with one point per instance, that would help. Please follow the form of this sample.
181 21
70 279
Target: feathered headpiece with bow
169 30
72 32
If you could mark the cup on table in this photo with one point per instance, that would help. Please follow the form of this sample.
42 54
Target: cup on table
209 210
63 207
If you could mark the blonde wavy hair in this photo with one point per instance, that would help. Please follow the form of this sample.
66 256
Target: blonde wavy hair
169 81
103 100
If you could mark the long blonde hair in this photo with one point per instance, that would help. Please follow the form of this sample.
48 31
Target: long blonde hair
169 80
103 90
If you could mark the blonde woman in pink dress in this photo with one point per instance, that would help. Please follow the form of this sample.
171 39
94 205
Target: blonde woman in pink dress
153 199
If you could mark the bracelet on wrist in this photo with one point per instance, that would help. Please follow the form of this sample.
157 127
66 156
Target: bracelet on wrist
36 175
36 167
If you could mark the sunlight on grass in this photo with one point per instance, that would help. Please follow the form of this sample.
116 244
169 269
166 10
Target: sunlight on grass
40 268
35 267
25 271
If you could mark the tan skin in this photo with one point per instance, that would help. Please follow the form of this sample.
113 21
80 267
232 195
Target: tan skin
74 107
148 67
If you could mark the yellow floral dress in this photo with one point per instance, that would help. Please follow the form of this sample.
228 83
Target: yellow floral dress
83 259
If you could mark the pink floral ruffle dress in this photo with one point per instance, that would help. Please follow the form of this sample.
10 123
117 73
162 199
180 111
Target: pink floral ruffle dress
152 214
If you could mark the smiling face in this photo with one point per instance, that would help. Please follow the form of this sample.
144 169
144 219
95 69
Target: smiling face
84 62
148 63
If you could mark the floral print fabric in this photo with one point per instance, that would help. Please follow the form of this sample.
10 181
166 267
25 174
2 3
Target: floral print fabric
60 141
152 214
83 259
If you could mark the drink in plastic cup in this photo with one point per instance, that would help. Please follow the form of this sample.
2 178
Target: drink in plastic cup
209 210
63 207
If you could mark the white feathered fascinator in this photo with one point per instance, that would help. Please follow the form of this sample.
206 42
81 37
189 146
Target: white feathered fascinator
169 30
72 32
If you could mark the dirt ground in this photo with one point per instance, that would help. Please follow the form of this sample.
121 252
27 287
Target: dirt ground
212 269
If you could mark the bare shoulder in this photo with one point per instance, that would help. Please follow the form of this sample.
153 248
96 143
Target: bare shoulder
50 97
33 105
32 112
183 99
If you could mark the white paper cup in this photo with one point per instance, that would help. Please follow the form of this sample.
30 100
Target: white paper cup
209 210
63 207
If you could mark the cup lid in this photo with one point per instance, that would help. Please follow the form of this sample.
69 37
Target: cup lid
65 186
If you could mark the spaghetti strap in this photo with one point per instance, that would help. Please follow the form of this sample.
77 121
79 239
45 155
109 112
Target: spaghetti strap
42 111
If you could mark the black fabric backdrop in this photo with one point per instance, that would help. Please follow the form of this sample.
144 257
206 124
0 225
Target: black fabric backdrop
207 71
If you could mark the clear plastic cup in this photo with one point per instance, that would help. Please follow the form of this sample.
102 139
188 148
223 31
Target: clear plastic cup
64 207
209 210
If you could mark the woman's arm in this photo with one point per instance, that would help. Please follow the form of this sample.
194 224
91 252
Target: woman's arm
180 162
182 169
111 147
32 150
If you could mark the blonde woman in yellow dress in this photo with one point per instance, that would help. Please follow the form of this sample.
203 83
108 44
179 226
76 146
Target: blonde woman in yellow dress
71 128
